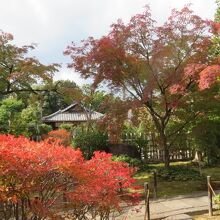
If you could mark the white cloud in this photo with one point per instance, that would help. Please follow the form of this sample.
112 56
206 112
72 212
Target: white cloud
40 11
69 74
53 24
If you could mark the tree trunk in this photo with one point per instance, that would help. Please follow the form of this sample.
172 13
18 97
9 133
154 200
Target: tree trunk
166 157
160 125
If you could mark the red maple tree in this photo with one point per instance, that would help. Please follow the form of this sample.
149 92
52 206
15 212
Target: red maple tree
158 66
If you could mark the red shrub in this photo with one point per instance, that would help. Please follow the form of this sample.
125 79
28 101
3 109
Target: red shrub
34 176
59 136
106 180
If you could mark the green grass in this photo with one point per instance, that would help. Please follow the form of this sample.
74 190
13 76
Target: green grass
179 163
174 188
214 172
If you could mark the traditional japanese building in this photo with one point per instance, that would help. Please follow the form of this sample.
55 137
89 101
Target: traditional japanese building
75 113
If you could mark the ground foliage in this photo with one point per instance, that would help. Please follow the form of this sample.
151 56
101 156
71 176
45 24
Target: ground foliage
179 173
133 162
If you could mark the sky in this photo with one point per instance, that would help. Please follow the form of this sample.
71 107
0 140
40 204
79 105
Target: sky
54 24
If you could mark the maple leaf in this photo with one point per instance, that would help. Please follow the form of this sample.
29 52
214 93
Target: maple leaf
209 76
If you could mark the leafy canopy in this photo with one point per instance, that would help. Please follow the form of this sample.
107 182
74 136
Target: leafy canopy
159 67
18 71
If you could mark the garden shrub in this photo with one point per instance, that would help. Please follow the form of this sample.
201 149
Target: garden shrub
205 137
179 173
59 136
40 130
133 162
90 140
34 176
66 126
217 200
44 129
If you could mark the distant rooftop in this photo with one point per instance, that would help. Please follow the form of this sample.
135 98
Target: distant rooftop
76 112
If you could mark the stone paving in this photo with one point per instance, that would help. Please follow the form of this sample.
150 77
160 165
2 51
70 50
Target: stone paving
171 207
179 217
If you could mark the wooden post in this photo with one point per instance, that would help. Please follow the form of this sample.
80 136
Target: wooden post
209 195
155 184
200 168
147 205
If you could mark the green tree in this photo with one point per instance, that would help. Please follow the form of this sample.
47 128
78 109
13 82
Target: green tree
205 137
90 140
215 48
18 120
30 123
10 109
93 99
19 72
68 90
56 95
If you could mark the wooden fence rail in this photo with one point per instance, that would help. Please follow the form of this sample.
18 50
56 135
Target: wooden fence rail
147 201
211 194
151 152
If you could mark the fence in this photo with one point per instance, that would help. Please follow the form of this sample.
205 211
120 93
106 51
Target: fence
147 201
211 194
154 154
150 152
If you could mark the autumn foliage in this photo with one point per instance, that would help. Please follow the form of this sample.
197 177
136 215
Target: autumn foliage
19 71
60 136
34 177
158 66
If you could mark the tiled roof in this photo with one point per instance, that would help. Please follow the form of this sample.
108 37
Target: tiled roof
59 117
65 116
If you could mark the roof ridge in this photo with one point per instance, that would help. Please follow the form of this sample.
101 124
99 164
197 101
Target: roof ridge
48 116
70 106
64 115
